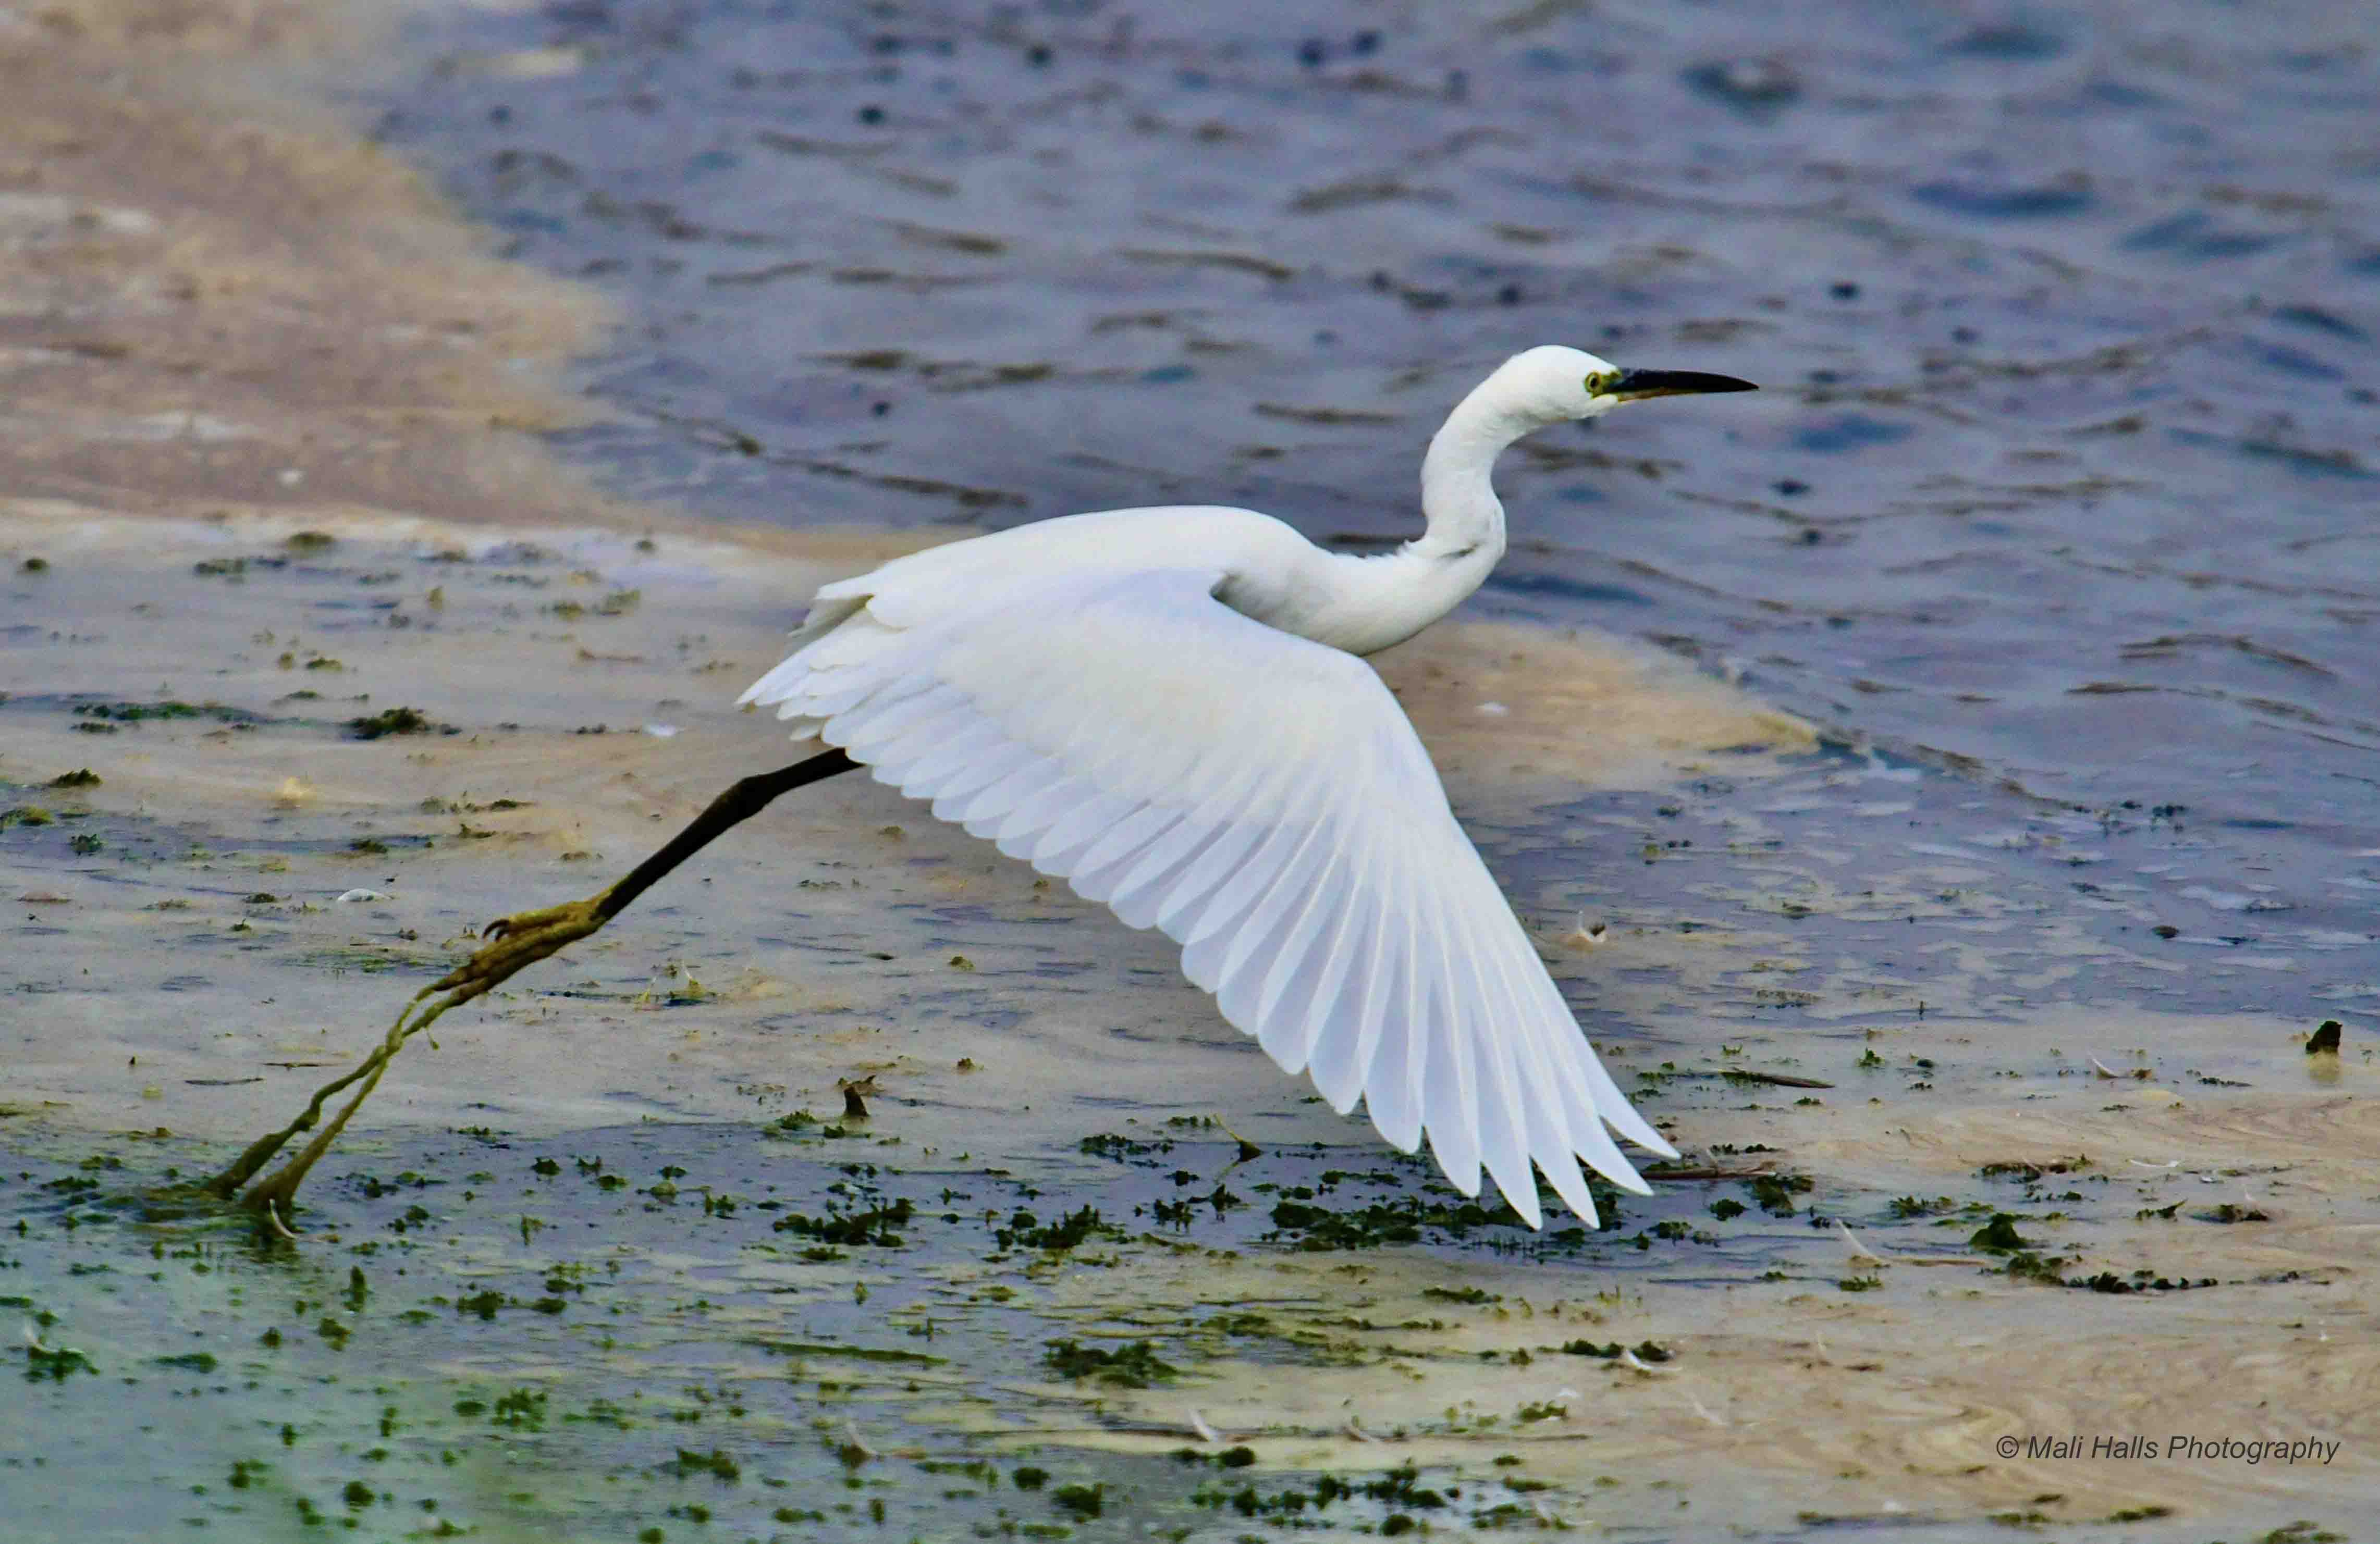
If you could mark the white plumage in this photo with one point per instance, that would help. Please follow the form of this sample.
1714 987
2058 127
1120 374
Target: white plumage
1166 707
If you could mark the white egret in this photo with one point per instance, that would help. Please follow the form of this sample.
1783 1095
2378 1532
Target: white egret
1167 708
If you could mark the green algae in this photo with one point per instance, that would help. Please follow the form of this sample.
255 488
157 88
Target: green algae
396 720
1131 1366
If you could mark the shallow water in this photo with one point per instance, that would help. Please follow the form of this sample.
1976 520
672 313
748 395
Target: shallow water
2062 475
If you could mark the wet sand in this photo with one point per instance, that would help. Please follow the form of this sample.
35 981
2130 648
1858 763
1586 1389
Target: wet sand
263 474
218 298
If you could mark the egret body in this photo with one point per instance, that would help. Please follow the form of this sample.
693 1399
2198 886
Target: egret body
1168 708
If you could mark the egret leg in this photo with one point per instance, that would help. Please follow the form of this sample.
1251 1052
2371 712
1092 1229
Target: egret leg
513 944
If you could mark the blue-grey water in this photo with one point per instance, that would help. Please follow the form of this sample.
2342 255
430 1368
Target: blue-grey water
2063 477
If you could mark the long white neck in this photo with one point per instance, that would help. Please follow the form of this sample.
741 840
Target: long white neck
1466 520
1364 605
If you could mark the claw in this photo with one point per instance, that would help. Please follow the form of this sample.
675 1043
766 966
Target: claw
521 940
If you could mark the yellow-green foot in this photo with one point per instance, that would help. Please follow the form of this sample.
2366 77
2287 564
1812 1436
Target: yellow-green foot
521 940
513 944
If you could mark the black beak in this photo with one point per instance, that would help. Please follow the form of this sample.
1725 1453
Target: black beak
1636 385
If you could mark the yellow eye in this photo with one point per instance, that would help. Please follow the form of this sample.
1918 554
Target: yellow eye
1601 381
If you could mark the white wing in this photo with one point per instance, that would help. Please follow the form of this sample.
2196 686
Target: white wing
1260 797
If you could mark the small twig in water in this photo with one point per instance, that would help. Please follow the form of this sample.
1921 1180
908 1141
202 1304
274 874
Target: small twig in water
1659 1171
1775 1079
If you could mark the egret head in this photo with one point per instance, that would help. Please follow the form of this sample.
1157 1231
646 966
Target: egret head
1553 384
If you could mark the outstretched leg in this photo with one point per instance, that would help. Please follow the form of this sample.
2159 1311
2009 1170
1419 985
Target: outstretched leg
513 944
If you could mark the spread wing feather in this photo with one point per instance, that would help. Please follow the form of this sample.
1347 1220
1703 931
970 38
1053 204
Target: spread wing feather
1263 800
